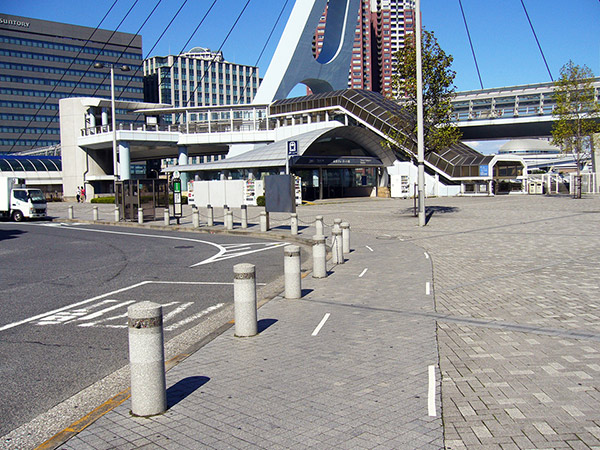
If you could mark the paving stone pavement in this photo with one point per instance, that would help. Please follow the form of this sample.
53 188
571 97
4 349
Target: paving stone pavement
360 383
516 304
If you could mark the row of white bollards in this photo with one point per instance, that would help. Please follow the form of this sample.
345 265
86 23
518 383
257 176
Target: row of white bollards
145 319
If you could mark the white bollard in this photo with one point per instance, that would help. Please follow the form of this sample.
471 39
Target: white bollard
294 224
195 217
117 214
244 216
71 215
336 224
264 221
147 359
319 226
336 246
95 213
211 216
167 217
141 216
225 211
244 300
345 226
319 256
291 270
229 220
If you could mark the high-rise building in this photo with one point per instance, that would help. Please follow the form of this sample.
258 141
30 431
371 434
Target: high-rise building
42 62
199 77
380 32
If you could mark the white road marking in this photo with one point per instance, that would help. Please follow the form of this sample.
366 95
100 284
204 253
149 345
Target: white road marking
74 310
323 320
105 310
362 273
369 248
193 317
431 392
426 255
235 251
427 288
177 310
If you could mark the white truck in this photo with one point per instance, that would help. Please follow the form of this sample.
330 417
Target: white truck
19 202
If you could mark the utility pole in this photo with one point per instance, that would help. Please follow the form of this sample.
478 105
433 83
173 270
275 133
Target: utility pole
420 135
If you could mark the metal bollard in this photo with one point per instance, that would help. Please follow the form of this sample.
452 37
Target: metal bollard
319 226
336 246
294 224
345 226
117 214
229 220
147 359
167 217
71 215
264 221
336 224
291 270
244 300
141 216
211 216
95 213
195 217
244 216
319 256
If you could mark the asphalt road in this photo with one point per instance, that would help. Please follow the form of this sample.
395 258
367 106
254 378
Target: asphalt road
64 295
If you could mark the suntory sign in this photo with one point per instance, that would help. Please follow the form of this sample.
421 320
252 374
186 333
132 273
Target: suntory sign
17 23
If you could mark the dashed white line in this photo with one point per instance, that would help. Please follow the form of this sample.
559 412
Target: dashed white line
427 288
363 273
193 317
426 255
431 392
370 249
323 320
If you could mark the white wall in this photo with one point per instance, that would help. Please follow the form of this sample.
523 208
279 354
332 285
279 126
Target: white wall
433 187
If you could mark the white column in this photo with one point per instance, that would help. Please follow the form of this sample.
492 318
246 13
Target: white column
182 161
124 160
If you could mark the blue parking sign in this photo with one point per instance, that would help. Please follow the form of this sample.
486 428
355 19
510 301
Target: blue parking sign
292 148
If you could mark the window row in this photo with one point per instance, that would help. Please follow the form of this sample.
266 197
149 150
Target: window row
46 82
29 117
28 130
59 71
56 58
31 93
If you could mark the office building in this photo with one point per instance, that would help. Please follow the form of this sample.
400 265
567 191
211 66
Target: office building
42 62
380 32
199 77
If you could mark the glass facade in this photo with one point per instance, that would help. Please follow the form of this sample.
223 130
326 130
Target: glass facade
45 61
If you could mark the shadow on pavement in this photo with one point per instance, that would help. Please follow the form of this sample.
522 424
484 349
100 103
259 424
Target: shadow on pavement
10 234
183 388
263 324
431 210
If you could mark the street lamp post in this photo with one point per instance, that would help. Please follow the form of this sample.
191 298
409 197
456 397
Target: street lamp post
420 135
114 112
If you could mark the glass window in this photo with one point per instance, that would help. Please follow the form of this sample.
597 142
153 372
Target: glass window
17 167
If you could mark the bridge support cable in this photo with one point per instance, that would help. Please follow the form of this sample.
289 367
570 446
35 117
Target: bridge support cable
537 40
262 51
470 42
62 76
191 94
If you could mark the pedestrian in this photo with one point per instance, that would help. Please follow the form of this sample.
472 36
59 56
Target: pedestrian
82 193
78 193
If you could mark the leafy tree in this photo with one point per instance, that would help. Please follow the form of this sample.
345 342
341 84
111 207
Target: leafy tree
438 89
577 113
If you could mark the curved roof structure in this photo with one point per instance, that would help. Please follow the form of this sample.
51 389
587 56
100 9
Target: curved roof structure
528 146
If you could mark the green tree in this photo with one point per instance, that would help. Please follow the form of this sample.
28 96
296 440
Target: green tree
438 89
577 114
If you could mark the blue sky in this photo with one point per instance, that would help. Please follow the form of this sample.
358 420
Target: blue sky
506 50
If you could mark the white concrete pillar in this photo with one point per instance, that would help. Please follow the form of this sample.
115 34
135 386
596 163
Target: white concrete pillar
319 256
104 117
182 161
71 214
166 217
117 214
319 226
264 221
229 220
211 216
147 359
345 226
337 246
195 217
244 300
141 216
244 216
336 224
124 160
294 224
291 269
95 213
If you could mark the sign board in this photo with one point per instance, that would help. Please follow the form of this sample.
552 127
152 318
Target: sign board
292 148
177 206
484 170
280 193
